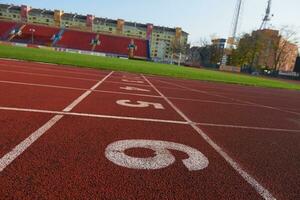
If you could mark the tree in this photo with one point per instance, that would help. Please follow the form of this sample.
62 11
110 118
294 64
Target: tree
267 48
179 48
247 49
283 48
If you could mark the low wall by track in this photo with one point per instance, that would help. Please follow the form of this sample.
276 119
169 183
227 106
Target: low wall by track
62 49
230 68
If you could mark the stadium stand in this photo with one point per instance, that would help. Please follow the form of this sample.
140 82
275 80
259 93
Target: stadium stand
42 35
76 40
119 45
73 39
6 28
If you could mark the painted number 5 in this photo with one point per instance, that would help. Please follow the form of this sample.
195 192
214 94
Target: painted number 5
163 158
140 104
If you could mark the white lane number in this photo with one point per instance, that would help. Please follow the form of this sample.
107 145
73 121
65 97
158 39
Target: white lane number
140 104
132 81
129 88
115 152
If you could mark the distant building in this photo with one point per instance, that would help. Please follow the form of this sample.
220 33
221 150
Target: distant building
297 65
207 56
275 52
161 39
219 43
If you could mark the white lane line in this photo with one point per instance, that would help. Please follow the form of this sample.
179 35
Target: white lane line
73 88
127 93
142 95
233 99
42 85
92 115
142 119
126 83
84 95
209 101
51 70
59 67
248 127
48 75
21 147
247 177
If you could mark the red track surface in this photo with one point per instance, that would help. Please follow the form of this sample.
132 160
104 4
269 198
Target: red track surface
246 130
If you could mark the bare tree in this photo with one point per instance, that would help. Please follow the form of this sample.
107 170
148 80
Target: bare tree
179 48
282 49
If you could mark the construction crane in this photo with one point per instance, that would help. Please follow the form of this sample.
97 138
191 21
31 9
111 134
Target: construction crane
232 39
236 21
267 16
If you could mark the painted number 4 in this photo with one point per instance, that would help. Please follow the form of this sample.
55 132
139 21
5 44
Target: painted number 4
162 158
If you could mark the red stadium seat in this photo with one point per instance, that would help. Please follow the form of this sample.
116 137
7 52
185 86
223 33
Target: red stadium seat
42 35
5 28
76 40
119 45
73 39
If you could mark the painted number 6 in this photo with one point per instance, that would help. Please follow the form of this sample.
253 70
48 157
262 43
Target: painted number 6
163 158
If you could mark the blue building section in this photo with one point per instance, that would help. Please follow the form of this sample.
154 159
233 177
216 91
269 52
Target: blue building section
148 50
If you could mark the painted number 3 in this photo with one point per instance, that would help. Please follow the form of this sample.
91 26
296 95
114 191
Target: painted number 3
163 158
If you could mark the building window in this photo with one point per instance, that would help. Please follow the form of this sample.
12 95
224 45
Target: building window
110 29
14 16
47 20
1 14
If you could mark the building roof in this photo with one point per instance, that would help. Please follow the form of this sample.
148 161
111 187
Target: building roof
138 25
97 20
4 6
40 12
100 20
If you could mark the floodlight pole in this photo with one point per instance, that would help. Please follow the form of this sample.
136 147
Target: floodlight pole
32 30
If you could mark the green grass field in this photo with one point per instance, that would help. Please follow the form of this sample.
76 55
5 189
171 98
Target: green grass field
48 56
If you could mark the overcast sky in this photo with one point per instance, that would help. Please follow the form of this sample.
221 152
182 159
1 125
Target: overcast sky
200 18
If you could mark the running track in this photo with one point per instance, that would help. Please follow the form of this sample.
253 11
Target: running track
71 133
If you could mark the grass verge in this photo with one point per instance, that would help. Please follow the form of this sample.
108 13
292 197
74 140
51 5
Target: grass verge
48 56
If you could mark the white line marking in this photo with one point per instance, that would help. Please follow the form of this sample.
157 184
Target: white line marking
84 95
20 148
247 127
209 101
51 70
130 88
233 99
132 81
141 119
126 93
92 115
247 177
125 83
42 85
81 89
56 66
48 75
